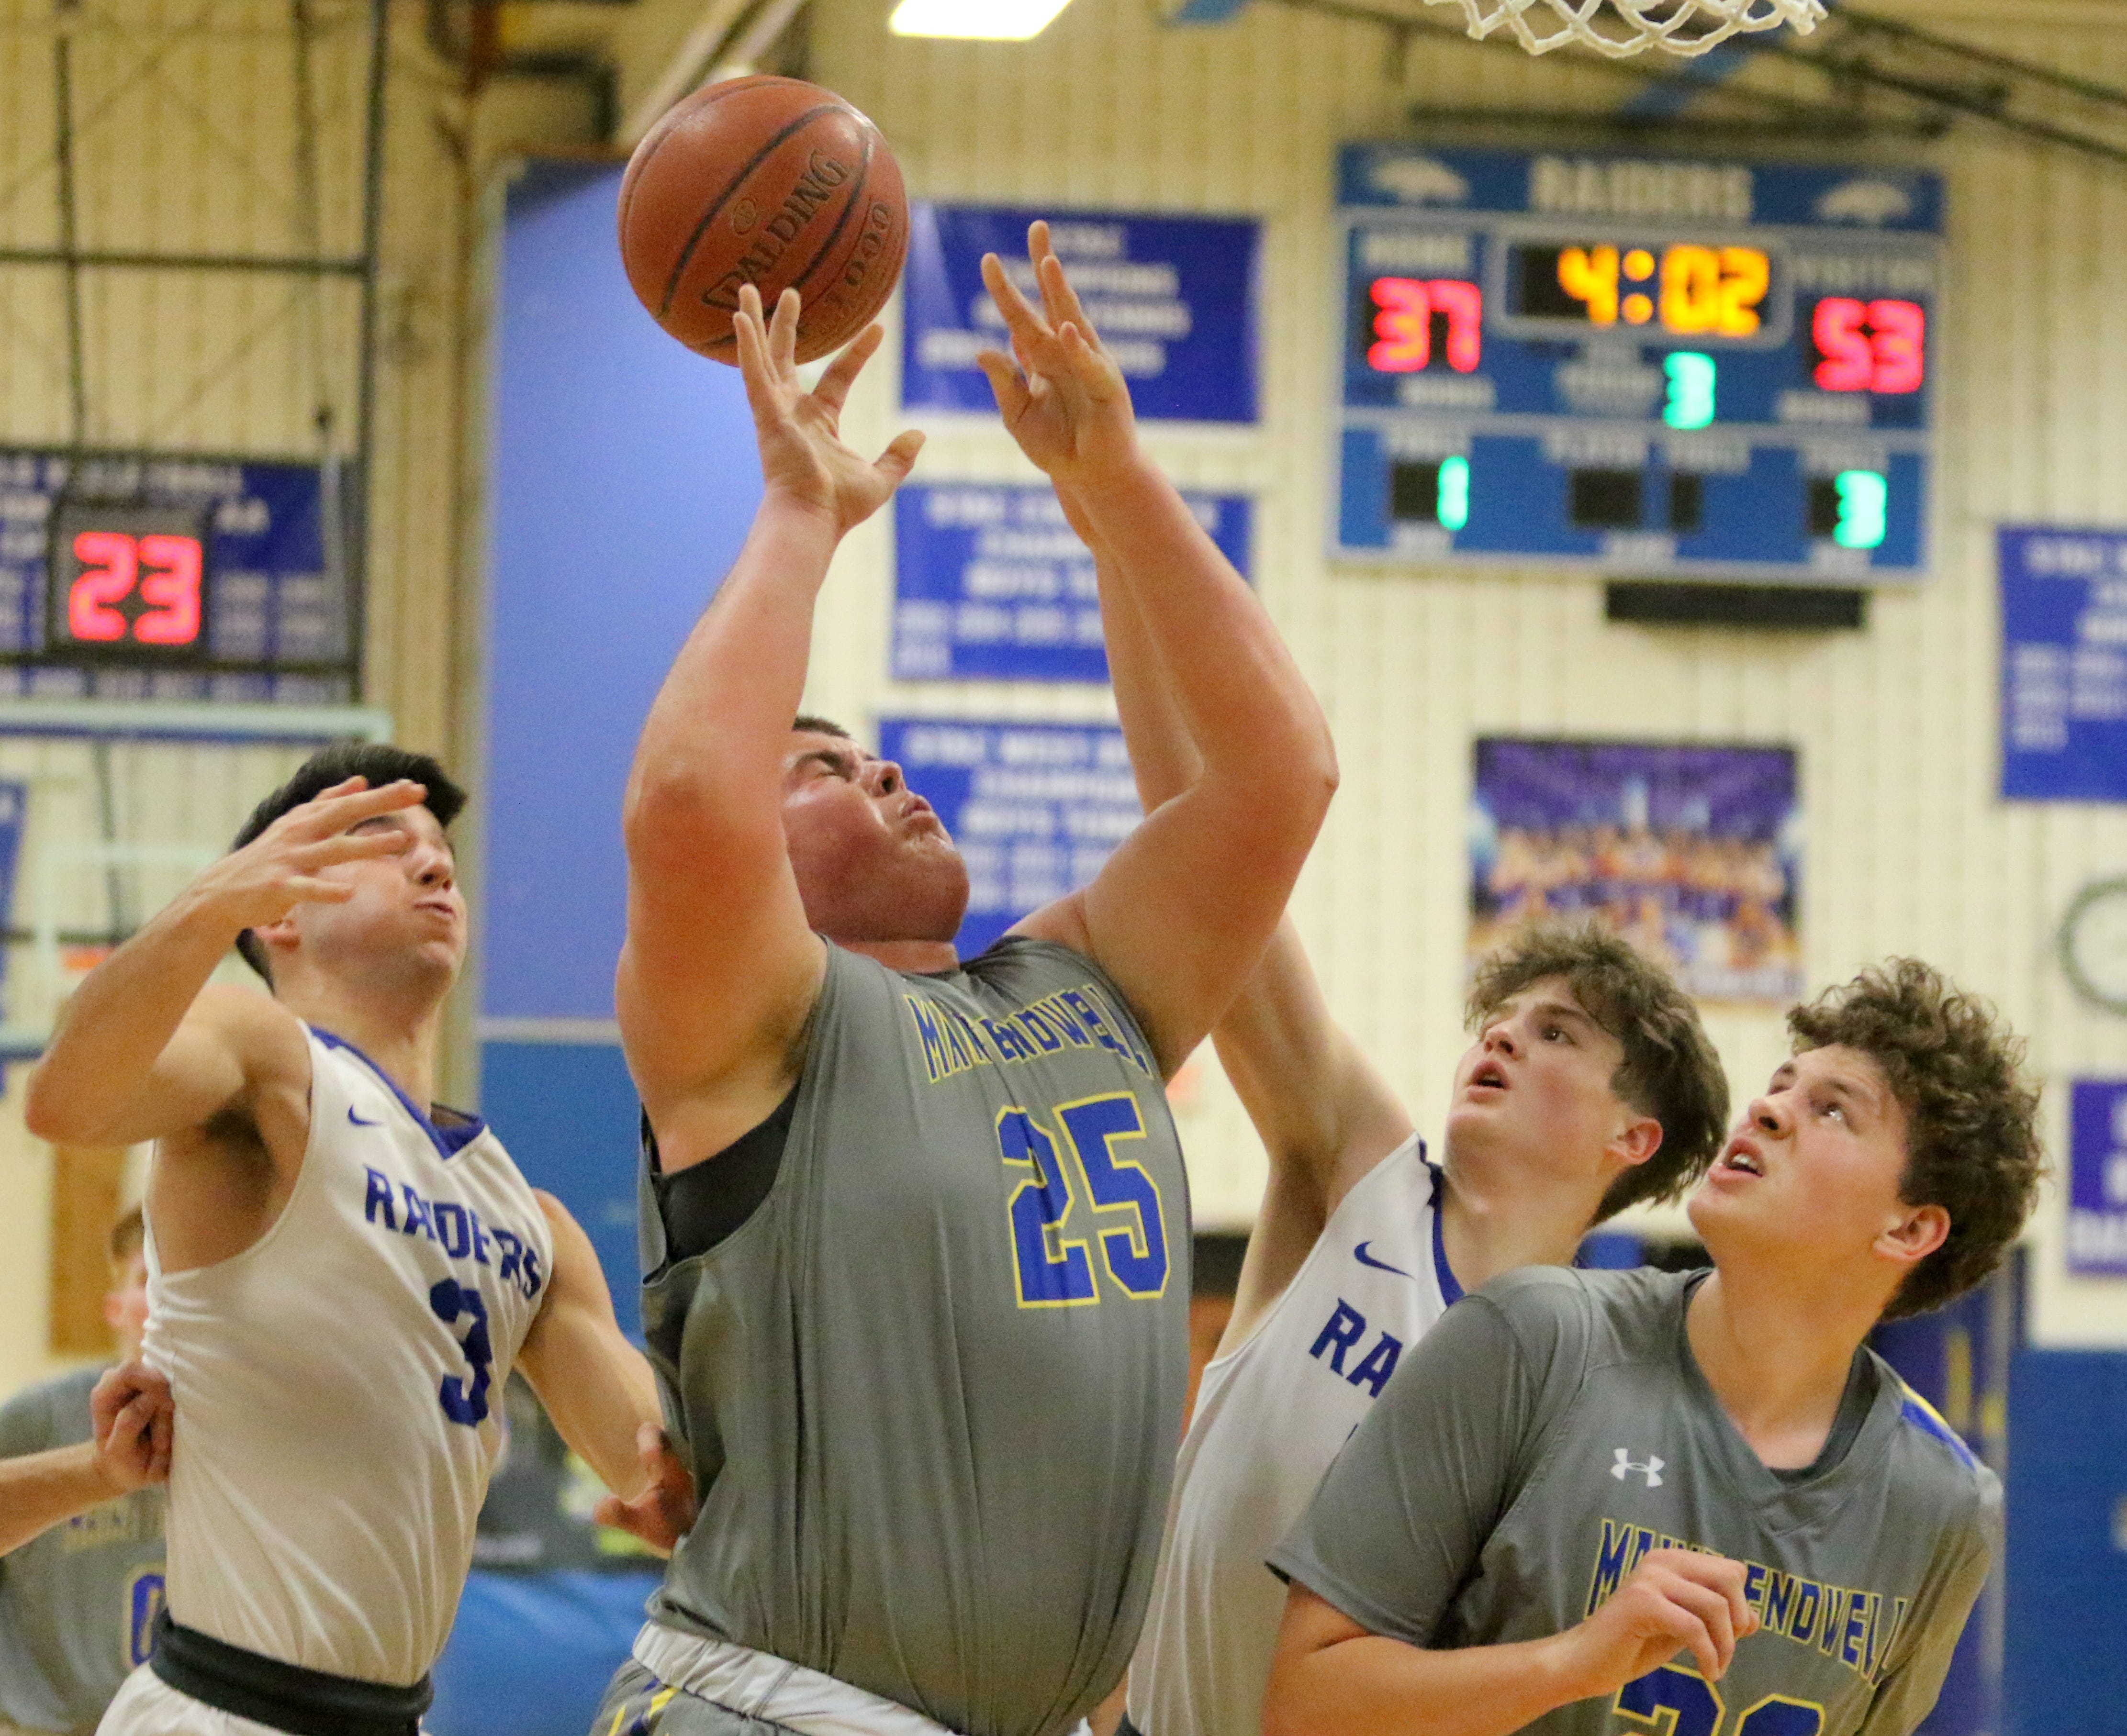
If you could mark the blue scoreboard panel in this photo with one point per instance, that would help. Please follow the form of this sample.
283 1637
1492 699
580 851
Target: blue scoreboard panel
1637 365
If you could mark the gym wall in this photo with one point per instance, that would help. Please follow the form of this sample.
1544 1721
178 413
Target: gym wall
1908 850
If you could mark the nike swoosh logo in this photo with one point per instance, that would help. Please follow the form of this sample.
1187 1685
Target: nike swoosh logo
359 1122
1364 1258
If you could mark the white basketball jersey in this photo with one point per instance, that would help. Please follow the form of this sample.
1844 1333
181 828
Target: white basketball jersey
339 1385
1271 1415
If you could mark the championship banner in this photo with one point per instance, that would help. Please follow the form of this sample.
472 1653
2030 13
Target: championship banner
2097 1177
1174 299
1036 808
2063 665
991 583
1692 853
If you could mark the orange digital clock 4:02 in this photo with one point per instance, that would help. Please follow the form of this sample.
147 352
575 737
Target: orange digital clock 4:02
1684 289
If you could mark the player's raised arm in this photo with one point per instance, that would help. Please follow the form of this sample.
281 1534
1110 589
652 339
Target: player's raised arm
1324 1114
719 970
1182 910
145 1047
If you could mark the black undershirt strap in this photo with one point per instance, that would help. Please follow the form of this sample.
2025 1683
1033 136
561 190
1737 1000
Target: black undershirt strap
706 1202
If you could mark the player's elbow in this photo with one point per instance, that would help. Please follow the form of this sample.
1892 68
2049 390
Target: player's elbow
1289 1708
56 1113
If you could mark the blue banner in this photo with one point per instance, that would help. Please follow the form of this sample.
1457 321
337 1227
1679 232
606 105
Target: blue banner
2097 1176
992 585
2063 665
1035 807
1173 298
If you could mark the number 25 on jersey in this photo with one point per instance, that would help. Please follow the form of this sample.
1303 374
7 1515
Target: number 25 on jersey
1055 1265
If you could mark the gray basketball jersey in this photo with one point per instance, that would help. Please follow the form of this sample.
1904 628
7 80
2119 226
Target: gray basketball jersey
1555 1427
931 1389
77 1603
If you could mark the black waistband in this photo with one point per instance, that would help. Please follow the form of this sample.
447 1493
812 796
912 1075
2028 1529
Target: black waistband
283 1696
1127 1729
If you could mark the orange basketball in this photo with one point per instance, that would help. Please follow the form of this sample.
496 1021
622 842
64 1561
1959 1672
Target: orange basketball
770 182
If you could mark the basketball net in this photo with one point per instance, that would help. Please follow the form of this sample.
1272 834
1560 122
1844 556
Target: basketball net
1619 28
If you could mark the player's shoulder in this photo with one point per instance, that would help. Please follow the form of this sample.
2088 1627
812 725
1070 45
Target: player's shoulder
1623 1304
1935 1465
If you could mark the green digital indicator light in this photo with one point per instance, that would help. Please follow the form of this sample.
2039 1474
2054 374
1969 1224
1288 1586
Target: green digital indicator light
1863 500
1453 507
1690 389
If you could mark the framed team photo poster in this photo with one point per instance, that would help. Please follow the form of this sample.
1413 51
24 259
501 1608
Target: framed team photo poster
1692 853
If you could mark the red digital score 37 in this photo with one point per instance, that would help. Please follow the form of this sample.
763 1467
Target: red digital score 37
164 569
1869 346
1403 325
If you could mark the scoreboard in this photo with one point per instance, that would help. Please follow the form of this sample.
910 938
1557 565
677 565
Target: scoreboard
1643 367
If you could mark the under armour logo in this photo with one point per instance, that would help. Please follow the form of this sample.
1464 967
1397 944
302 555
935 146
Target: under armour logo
1651 1470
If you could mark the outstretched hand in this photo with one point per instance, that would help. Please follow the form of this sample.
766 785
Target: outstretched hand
132 1415
1060 392
279 868
664 1512
802 458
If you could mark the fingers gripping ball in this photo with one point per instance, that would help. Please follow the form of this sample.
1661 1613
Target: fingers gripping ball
770 182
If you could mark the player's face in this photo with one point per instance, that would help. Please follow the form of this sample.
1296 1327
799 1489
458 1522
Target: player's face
125 1306
873 861
407 916
1813 1169
1535 1087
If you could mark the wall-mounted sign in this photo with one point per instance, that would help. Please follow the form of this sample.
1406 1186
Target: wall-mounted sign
1173 298
1692 853
174 578
992 585
2097 1176
1035 807
2063 664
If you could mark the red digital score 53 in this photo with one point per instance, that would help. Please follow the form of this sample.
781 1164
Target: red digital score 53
1869 346
1403 326
165 571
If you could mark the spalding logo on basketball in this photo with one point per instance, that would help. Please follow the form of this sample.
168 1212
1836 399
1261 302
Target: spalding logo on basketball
770 182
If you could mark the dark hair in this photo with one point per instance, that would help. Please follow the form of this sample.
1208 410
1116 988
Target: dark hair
376 761
814 725
1669 1071
128 1236
1971 1139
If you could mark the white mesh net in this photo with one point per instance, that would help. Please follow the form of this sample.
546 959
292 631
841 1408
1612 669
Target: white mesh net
1622 27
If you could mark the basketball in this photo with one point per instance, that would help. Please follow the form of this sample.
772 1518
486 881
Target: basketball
771 181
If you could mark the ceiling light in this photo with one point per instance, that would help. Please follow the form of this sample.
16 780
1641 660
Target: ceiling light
989 20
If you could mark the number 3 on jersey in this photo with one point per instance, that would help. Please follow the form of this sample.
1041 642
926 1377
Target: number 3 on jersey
1056 1267
448 1299
1670 1701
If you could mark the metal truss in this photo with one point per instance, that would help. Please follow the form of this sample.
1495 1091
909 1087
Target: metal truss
110 60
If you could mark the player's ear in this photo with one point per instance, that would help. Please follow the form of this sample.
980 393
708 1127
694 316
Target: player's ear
278 938
1637 1141
1916 1234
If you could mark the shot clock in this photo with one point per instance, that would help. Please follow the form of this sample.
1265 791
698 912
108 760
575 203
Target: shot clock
127 582
1638 366
127 576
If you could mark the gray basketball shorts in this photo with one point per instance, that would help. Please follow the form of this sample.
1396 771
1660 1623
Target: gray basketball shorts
637 1704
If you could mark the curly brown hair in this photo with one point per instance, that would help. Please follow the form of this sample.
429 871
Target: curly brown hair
1972 1138
1669 1071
